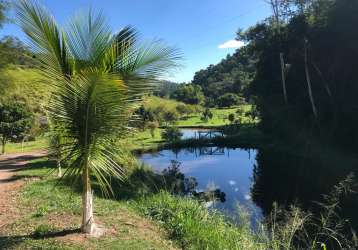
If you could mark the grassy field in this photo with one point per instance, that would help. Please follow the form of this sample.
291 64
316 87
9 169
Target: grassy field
51 215
39 143
220 118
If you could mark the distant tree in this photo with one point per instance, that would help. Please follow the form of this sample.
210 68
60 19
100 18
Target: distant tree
183 109
152 127
15 122
207 115
228 100
172 134
56 150
231 118
189 93
232 75
165 89
144 116
170 116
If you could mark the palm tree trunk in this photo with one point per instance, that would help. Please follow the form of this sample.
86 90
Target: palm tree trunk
88 225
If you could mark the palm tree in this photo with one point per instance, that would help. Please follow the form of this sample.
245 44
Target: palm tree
98 79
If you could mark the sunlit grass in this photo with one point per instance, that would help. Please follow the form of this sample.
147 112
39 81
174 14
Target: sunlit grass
27 146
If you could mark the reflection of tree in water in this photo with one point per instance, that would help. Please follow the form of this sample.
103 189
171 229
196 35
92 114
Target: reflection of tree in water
289 178
176 183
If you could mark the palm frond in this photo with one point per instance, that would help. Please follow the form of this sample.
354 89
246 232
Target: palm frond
46 39
98 78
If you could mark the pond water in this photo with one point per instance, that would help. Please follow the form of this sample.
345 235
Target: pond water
230 170
257 178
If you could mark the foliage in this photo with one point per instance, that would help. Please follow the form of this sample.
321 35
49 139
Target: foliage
171 134
189 93
170 117
152 127
15 122
165 89
228 100
322 110
13 51
232 75
207 115
161 110
231 117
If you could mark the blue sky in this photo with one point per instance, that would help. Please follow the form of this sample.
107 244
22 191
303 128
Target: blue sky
196 27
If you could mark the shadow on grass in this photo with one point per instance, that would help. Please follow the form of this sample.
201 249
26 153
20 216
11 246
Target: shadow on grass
11 242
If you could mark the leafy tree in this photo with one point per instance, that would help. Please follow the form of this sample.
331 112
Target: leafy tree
320 76
231 118
189 93
152 127
170 116
15 122
144 116
228 100
165 89
183 109
96 86
171 134
207 115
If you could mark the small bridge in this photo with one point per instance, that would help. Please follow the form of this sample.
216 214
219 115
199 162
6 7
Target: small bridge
209 134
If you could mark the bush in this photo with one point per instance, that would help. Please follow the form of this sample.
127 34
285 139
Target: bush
207 115
231 118
170 116
172 134
152 127
183 109
228 100
189 93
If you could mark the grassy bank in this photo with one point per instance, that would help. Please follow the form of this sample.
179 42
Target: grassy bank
51 214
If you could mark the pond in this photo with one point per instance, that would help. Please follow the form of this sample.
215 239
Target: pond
230 170
256 178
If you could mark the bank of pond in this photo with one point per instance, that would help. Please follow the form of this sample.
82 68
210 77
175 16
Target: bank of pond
257 179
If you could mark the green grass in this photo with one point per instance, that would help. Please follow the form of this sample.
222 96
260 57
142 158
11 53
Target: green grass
49 211
194 227
220 118
39 143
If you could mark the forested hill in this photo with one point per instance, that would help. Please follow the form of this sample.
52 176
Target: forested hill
232 75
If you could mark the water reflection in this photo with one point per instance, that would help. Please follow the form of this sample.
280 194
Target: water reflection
287 178
223 173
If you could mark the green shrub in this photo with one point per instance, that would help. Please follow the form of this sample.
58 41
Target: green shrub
171 134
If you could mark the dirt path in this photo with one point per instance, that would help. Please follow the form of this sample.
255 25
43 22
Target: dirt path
10 184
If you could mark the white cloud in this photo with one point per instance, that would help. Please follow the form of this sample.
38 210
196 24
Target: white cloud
231 44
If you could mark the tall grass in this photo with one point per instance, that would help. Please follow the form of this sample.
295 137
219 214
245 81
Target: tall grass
194 227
